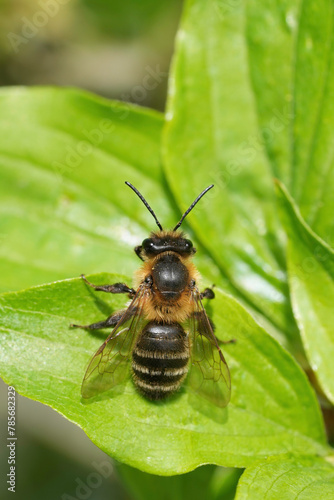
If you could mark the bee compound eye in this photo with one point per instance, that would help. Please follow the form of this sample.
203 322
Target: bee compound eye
188 244
147 244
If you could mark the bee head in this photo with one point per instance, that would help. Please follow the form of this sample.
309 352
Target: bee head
164 241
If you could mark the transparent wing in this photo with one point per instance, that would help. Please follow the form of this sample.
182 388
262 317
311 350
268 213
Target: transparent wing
110 364
209 375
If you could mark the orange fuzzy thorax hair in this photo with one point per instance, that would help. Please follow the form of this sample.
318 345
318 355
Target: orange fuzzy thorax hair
159 308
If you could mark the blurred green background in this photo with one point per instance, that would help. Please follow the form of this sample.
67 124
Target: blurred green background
98 45
109 48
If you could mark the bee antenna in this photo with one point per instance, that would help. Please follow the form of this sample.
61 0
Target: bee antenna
192 206
145 203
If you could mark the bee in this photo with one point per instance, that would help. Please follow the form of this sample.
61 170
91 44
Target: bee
164 334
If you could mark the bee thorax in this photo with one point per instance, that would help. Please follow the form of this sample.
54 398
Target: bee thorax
160 359
170 276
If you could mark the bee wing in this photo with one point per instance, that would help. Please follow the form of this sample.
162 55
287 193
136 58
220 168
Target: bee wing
109 366
209 375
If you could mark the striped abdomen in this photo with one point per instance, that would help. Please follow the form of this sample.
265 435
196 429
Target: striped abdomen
160 359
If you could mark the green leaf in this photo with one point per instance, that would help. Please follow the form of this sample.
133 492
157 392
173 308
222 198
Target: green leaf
270 32
212 482
64 208
273 409
68 197
311 277
143 486
313 153
288 477
209 136
224 483
291 61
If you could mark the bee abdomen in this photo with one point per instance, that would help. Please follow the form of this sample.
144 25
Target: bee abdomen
160 359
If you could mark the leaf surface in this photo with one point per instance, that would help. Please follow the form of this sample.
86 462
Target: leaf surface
211 136
273 408
64 207
291 63
288 478
311 277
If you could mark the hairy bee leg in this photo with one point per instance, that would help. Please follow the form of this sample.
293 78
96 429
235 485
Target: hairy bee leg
208 293
231 341
115 288
110 321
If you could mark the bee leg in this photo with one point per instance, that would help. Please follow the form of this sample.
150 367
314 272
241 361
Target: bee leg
115 288
197 316
110 321
208 293
231 341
